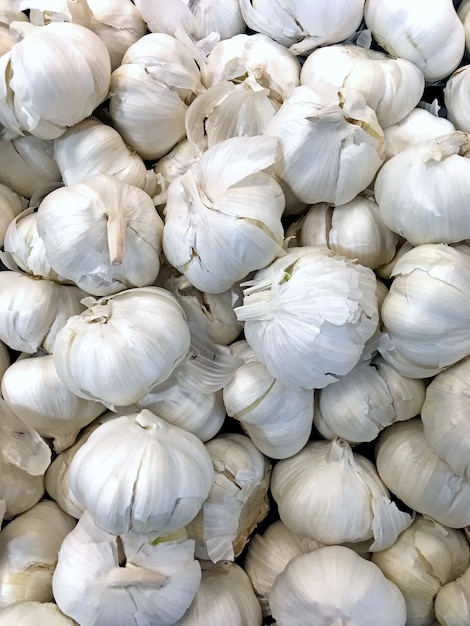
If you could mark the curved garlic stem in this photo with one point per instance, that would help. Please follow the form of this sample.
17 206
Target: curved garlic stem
116 231
132 574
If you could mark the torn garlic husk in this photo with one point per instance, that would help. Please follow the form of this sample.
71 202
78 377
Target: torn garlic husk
11 205
424 558
237 500
452 602
127 579
31 613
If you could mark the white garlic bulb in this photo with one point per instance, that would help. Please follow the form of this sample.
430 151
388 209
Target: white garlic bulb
30 613
333 585
173 164
463 12
452 603
125 578
11 205
156 475
456 98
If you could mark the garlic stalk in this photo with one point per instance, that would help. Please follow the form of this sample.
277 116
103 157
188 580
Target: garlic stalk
278 419
237 501
330 494
223 217
333 585
452 603
28 547
425 557
11 205
120 347
225 596
331 145
107 239
155 479
129 579
81 77
308 316
431 37
419 477
31 613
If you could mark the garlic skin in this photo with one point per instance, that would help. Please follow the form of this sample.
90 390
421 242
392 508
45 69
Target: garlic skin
305 340
225 596
333 585
81 79
422 480
108 239
11 205
29 545
171 165
351 140
126 578
164 475
237 500
452 603
243 235
9 13
456 98
391 87
425 557
333 495
32 613
433 38
20 490
122 345
300 26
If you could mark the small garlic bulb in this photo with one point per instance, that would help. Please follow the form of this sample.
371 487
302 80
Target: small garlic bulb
333 585
31 613
452 603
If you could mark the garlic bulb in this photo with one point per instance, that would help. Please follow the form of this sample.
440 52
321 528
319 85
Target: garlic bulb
36 394
422 480
237 500
301 26
355 230
432 37
129 579
156 478
150 93
4 359
28 547
11 205
122 346
308 315
91 147
107 239
367 400
80 80
346 128
463 12
424 558
20 490
268 554
21 296
427 310
333 585
330 494
174 164
456 98
225 596
419 125
32 613
452 603
278 419
223 217
391 87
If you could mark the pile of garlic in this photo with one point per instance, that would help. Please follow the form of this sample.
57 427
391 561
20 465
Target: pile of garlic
234 382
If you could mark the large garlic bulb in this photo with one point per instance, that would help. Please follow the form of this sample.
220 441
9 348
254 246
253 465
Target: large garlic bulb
333 585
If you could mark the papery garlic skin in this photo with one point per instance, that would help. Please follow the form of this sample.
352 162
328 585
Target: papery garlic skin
432 37
422 480
452 603
126 578
30 613
223 217
331 145
305 340
174 164
20 490
333 585
29 546
425 557
11 205
156 478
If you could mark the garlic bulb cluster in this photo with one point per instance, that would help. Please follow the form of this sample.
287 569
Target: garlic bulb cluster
333 585
452 603
308 316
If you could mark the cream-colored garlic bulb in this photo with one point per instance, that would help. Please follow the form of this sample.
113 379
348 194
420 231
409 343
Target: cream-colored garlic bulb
119 348
367 400
225 596
425 557
334 585
20 490
355 230
31 613
342 123
452 603
127 579
11 205
277 418
419 477
223 217
156 476
28 553
431 36
331 494
237 500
